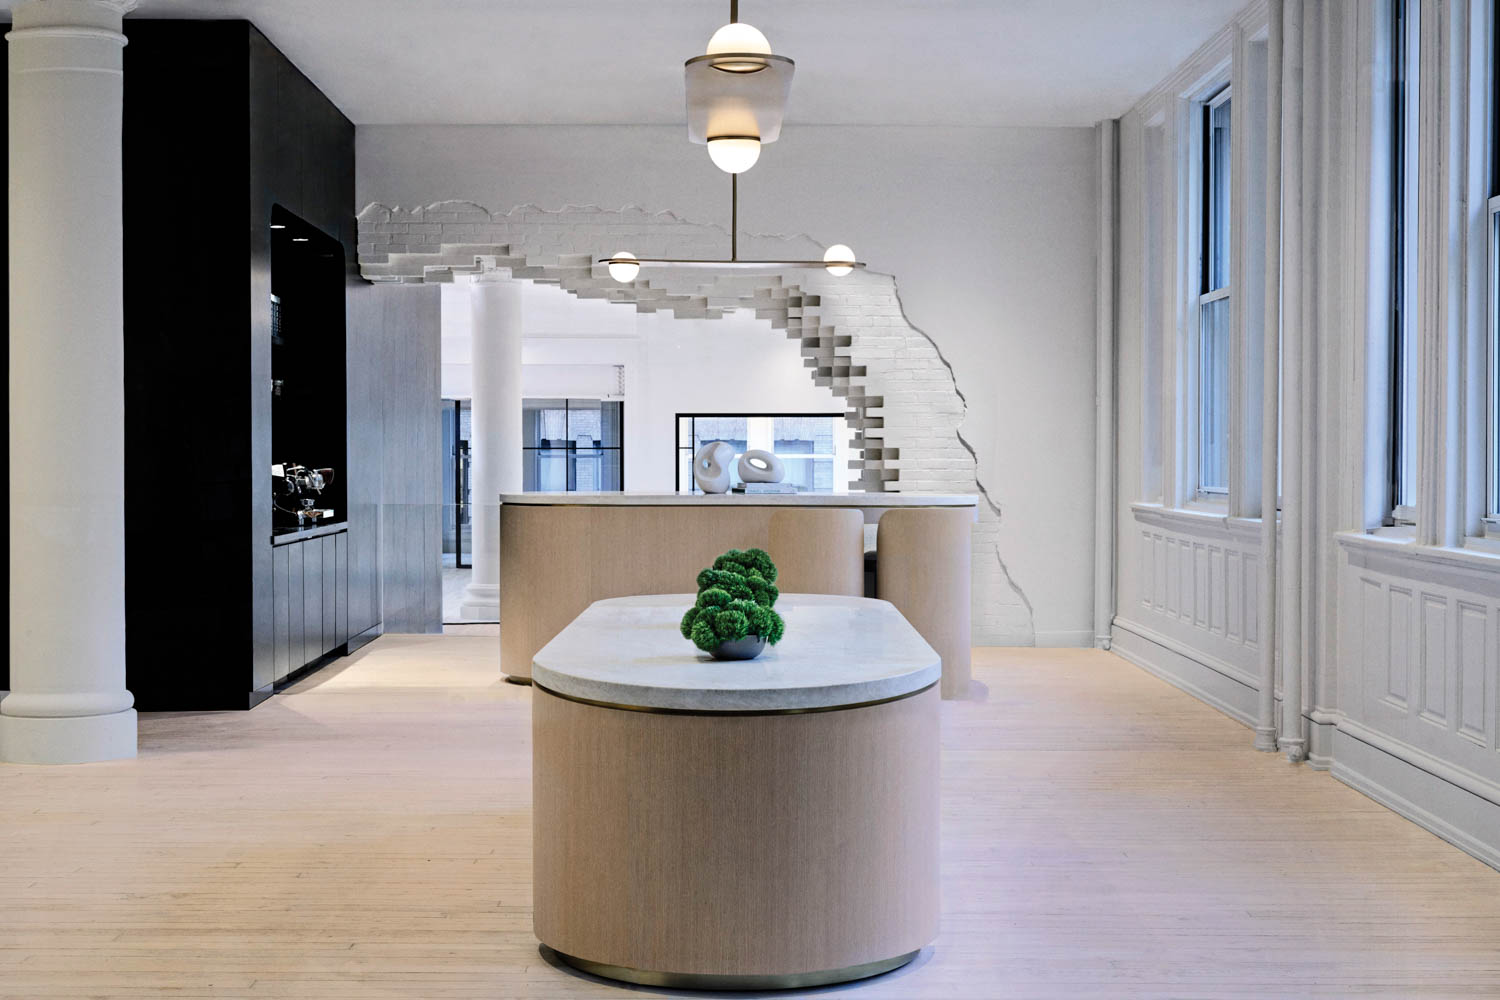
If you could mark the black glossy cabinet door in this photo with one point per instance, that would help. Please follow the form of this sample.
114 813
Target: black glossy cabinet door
296 608
329 545
341 597
281 613
312 599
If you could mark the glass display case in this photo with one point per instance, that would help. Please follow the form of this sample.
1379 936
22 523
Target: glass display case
309 438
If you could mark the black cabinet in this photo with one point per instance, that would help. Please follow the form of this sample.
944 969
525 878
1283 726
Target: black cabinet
310 597
221 130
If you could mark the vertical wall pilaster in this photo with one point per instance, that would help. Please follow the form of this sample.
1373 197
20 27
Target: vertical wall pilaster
1105 415
1441 181
1265 724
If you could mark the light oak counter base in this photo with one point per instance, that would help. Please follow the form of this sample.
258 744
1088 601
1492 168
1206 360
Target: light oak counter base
768 849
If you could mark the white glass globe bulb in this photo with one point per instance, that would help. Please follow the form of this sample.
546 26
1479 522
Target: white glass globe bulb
739 38
734 155
623 266
843 256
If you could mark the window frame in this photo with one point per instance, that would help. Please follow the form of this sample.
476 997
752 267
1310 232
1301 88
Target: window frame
1402 430
570 448
1490 519
1206 191
839 448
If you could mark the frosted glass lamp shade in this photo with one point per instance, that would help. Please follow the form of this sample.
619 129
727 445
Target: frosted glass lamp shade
839 260
726 102
622 266
734 154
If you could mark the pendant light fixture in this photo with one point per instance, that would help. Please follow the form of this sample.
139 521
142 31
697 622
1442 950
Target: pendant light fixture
736 94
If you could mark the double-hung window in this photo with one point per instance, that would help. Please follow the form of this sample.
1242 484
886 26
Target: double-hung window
1403 285
1213 300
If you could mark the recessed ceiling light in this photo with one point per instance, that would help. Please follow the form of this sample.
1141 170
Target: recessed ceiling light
278 225
299 239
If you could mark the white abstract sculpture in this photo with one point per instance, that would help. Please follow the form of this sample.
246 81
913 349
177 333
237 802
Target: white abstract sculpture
758 466
711 467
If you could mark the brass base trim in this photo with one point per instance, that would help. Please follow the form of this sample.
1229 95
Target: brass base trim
710 981
653 710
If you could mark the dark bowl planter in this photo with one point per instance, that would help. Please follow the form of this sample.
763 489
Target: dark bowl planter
747 648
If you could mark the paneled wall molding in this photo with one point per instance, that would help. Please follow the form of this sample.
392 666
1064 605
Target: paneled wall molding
1474 784
1188 519
1197 582
1211 680
1464 820
1453 567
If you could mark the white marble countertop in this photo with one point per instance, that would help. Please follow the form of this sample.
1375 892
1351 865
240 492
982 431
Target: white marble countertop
836 651
835 499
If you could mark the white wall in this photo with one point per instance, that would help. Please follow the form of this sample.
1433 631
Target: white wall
989 233
736 364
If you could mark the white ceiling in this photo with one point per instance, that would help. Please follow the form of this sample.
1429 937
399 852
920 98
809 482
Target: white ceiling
875 62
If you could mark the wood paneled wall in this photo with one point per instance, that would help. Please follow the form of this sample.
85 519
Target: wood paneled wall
395 436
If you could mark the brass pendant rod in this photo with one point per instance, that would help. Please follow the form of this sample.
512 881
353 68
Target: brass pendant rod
734 11
734 216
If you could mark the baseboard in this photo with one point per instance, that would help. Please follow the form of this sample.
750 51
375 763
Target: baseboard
1079 637
1214 687
1410 783
1467 821
366 637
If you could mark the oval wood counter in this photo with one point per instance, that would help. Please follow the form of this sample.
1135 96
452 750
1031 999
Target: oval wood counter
759 824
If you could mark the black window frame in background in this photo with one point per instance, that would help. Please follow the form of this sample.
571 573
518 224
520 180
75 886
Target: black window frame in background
678 449
1397 443
461 468
1207 257
1492 241
571 446
1495 99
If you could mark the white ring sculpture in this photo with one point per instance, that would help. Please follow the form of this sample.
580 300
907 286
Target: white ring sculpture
757 466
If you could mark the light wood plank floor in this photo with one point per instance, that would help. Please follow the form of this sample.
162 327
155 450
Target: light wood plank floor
369 836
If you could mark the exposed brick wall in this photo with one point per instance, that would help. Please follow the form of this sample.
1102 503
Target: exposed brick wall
900 397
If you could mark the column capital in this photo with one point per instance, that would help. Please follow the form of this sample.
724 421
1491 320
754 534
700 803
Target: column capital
105 14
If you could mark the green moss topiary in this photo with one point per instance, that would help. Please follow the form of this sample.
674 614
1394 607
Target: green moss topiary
735 599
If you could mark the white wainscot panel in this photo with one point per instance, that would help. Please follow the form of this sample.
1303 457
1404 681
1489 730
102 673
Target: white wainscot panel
1197 583
1424 655
1200 573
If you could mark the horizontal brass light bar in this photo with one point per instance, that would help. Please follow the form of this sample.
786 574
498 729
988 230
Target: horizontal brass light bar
677 262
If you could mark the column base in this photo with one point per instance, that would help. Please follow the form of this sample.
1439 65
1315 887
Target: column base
481 602
82 739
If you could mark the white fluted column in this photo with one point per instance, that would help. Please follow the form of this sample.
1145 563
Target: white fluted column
495 431
68 702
